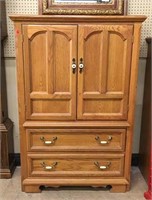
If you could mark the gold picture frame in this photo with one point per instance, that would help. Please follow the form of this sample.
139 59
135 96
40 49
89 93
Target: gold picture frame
83 7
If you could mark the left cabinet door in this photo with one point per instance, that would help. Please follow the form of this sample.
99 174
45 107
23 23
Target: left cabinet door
50 82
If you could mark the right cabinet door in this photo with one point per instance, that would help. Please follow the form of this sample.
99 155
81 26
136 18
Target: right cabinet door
104 53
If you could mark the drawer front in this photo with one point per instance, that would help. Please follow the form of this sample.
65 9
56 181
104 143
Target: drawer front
76 140
76 165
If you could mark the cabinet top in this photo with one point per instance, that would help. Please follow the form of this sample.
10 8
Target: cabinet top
76 18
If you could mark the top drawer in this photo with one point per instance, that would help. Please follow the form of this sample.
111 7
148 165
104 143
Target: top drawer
76 139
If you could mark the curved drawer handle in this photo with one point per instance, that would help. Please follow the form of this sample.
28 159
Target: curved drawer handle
47 142
47 167
102 167
104 141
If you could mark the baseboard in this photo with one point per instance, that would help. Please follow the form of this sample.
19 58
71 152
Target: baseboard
17 159
134 162
135 159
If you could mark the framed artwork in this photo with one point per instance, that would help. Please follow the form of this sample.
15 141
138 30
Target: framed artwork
83 7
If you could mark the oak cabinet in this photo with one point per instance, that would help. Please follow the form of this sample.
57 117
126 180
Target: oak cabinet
77 80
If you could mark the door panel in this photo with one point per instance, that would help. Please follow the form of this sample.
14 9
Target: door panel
93 60
49 80
103 84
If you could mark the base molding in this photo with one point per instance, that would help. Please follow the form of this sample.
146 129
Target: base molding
118 189
35 185
7 173
37 189
7 161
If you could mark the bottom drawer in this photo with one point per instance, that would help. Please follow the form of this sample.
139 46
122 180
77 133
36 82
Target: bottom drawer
104 165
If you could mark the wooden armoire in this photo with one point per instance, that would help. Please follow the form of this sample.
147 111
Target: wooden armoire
77 78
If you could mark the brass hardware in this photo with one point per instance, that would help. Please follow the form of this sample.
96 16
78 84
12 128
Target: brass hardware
102 167
47 167
103 142
81 65
48 142
74 66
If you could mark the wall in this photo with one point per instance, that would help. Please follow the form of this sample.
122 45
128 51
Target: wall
30 7
139 102
12 98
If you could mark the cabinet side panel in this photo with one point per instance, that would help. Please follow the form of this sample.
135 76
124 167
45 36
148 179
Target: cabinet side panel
132 98
21 97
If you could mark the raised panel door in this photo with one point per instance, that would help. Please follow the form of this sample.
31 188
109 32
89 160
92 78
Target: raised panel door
50 83
103 82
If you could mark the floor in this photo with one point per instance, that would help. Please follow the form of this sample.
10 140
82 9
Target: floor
10 190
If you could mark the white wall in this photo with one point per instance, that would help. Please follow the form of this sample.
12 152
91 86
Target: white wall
139 102
13 110
11 81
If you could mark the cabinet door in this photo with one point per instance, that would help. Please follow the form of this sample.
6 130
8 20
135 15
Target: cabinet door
50 82
103 83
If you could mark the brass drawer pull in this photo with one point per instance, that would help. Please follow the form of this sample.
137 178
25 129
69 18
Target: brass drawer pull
47 167
104 141
102 167
47 142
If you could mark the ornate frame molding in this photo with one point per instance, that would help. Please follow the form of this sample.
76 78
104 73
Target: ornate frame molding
115 7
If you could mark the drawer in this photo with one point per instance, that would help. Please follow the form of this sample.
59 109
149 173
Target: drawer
76 139
110 165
